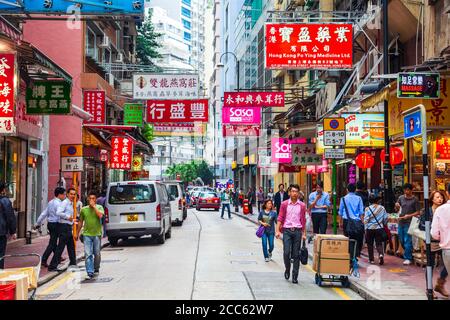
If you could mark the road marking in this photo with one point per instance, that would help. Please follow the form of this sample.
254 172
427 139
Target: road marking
57 283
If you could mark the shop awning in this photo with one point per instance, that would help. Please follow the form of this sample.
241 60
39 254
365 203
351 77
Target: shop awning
375 99
91 138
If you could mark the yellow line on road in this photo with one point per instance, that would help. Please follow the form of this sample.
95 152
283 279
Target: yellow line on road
57 283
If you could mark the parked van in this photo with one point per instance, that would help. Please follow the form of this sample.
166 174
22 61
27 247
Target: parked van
137 208
179 210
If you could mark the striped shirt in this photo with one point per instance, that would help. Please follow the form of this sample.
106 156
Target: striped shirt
381 215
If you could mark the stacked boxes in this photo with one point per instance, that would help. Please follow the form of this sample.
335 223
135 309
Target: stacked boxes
21 282
334 254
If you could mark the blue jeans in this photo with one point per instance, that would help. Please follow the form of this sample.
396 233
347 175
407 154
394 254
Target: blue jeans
405 241
226 205
91 249
267 237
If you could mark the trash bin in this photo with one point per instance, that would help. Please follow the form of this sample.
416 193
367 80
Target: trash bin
7 291
246 207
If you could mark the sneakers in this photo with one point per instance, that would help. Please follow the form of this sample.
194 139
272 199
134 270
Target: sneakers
270 255
371 262
407 262
89 276
381 260
267 259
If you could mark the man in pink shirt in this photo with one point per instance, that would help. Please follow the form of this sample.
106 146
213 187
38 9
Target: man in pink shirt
292 223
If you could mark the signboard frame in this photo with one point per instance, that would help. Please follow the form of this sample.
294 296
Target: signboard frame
71 154
168 80
417 81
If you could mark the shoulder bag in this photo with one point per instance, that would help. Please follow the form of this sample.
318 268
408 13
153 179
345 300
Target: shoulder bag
260 231
304 253
384 235
354 227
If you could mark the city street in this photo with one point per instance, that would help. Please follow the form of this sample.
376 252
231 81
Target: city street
207 258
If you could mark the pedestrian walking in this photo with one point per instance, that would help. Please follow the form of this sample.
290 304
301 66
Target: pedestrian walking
351 207
225 198
319 203
90 221
251 196
102 201
260 198
270 194
410 207
8 222
268 218
361 190
440 230
292 223
52 223
65 237
279 197
375 218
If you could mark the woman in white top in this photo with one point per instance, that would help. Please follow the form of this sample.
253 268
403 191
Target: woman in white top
375 218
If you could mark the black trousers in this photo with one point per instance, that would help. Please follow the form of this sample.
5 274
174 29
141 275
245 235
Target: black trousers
3 241
65 238
53 242
320 223
291 248
374 235
260 203
359 238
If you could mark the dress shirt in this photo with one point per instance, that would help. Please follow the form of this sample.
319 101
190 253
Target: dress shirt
323 201
65 211
293 215
354 204
440 227
50 212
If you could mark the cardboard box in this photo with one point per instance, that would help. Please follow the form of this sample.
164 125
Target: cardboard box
21 281
331 243
28 271
332 263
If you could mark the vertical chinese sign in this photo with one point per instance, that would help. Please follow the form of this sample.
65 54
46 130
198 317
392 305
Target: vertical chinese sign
94 102
122 153
48 97
7 92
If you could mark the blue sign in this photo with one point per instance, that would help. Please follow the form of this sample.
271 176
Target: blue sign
82 7
413 124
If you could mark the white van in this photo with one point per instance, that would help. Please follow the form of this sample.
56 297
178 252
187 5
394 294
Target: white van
137 208
179 209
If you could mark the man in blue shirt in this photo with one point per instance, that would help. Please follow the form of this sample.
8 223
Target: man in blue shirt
319 202
351 207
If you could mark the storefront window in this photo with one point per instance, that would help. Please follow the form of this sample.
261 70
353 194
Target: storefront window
12 175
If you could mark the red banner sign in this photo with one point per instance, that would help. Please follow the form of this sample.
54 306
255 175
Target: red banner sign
253 99
7 92
95 104
287 168
443 148
177 110
233 130
309 46
122 153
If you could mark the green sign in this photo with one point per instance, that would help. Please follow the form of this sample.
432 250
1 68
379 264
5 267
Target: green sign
48 97
133 114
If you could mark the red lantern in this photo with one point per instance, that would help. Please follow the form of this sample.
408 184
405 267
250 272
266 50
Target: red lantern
395 155
364 161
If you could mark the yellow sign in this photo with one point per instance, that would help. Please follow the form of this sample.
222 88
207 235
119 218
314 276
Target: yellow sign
71 150
233 165
334 124
137 163
245 161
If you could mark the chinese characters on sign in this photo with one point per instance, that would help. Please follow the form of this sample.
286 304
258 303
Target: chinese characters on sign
177 111
122 153
193 129
49 97
94 103
305 154
235 131
165 86
133 114
7 92
418 85
443 148
71 157
309 46
334 131
241 115
253 99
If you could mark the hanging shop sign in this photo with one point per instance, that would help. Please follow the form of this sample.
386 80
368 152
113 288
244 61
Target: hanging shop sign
59 7
122 153
351 173
418 85
334 132
364 129
229 130
165 86
281 151
133 114
253 99
338 154
413 124
241 116
94 102
103 155
71 157
195 129
288 168
314 169
443 148
177 111
137 163
305 154
8 92
309 46
48 97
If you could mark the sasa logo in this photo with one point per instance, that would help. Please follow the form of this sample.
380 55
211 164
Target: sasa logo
241 112
282 148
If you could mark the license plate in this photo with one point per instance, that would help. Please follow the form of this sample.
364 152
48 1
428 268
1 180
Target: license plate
132 217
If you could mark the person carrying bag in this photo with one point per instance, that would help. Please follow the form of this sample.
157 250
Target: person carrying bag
374 229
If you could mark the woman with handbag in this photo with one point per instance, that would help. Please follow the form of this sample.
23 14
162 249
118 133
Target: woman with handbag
375 219
268 219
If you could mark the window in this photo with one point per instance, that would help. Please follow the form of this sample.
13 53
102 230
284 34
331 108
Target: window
187 36
186 12
173 190
126 194
186 24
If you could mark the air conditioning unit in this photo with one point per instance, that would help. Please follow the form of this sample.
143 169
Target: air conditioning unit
110 78
106 43
119 57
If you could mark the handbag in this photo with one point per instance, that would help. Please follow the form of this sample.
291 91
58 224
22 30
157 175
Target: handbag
354 227
260 231
414 229
384 236
304 253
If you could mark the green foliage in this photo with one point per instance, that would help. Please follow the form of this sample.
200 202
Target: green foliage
147 41
190 171
148 132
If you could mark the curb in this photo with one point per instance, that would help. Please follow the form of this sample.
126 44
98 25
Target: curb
52 275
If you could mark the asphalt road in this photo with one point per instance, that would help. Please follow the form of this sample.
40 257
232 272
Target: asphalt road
207 258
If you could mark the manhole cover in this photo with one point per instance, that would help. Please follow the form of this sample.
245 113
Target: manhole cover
99 280
48 296
240 253
244 261
110 261
113 249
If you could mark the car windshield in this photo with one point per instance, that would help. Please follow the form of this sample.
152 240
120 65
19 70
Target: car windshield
208 195
136 193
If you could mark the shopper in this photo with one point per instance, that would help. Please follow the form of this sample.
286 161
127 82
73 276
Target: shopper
279 197
260 198
268 218
319 203
351 207
251 196
410 207
8 222
52 223
65 237
292 223
375 218
270 194
90 221
225 198
361 190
